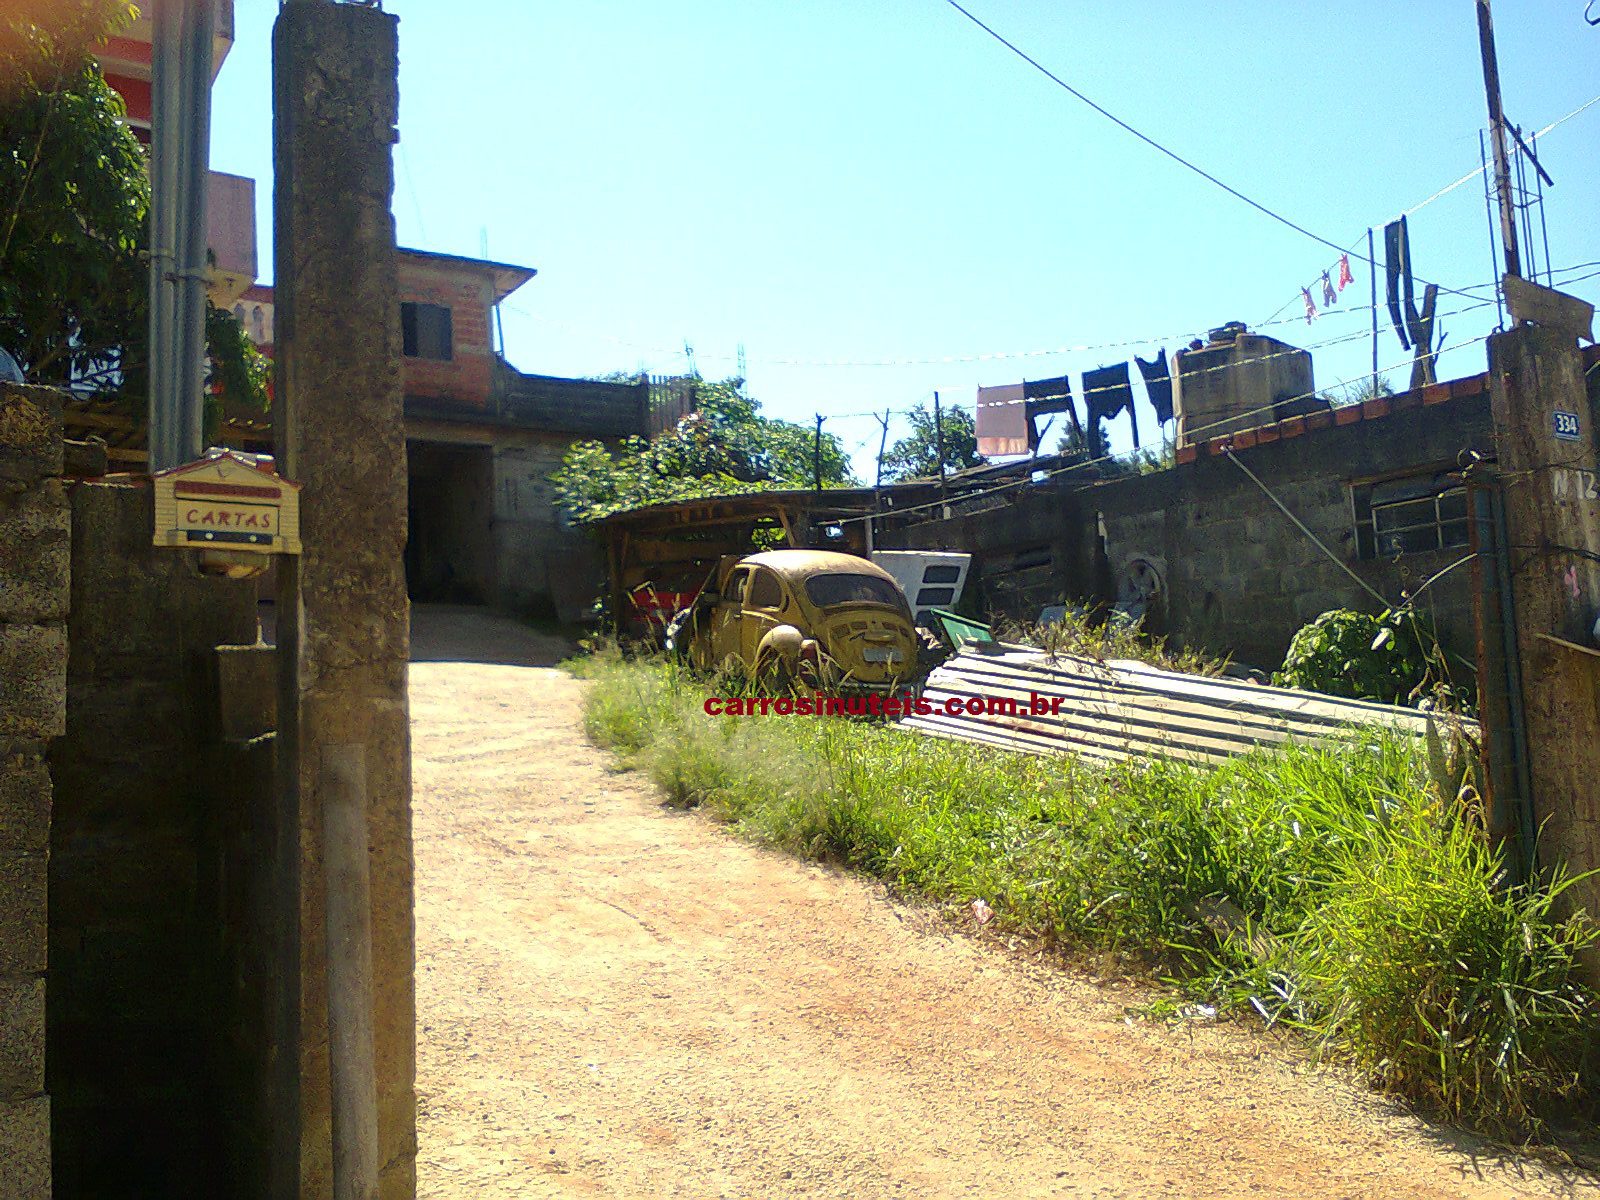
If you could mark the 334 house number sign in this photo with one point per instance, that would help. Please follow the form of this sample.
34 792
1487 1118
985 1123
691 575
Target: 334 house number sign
227 501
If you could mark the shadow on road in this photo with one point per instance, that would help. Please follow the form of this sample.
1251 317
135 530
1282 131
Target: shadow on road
464 633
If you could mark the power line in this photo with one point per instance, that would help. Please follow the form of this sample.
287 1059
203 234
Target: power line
1445 191
1340 340
1040 476
1143 137
1154 339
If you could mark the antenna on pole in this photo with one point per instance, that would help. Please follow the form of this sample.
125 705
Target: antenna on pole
1497 139
499 322
883 443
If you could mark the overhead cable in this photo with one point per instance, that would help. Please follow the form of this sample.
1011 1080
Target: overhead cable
1040 476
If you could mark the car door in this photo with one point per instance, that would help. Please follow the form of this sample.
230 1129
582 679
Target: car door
763 610
726 617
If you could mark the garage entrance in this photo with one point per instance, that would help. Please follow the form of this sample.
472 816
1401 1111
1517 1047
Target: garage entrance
450 540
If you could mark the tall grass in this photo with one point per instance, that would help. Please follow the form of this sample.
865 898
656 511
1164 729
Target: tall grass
1074 632
1324 886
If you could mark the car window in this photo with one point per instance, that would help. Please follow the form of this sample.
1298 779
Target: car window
765 590
827 590
736 582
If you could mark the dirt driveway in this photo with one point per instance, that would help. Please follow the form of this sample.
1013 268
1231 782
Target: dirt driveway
619 1000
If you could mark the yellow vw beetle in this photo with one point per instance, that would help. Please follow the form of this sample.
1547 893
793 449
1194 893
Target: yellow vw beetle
815 616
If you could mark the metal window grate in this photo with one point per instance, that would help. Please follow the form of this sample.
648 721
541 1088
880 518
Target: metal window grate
1410 516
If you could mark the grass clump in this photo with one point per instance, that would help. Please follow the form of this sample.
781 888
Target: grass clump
1332 887
1078 633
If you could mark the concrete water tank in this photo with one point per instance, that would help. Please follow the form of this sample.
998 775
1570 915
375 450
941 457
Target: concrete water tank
1237 381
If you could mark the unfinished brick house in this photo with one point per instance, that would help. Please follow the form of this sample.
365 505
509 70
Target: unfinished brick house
481 440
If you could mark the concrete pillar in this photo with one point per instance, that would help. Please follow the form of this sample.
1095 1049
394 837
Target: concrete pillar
343 617
35 558
1546 438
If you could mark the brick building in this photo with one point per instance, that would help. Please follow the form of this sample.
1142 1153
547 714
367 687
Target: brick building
481 441
482 437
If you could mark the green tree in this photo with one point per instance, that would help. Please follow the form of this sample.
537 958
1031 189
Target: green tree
916 456
724 447
74 215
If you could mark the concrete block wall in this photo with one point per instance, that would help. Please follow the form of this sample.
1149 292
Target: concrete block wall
134 916
1027 548
543 568
34 588
1241 578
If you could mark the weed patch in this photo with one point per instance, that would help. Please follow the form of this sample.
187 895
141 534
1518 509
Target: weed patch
1326 886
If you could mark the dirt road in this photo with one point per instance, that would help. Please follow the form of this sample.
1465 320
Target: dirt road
619 1000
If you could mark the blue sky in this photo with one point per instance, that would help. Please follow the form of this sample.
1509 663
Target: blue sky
835 182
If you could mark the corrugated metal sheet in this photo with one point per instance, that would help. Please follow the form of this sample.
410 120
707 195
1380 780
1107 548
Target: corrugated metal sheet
1118 709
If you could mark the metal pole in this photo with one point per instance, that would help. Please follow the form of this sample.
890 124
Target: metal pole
883 442
938 439
189 369
1372 287
816 457
1488 213
1544 227
1521 195
1497 135
165 131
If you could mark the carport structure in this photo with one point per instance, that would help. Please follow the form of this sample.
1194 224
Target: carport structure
661 554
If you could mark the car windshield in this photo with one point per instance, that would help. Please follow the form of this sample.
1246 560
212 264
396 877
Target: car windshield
826 591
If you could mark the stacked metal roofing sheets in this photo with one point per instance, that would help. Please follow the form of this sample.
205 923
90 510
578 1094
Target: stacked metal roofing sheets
1117 708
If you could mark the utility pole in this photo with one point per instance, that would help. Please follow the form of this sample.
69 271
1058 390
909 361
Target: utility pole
938 440
180 138
1497 139
816 457
344 1109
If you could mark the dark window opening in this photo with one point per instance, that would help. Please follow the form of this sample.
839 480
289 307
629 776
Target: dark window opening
941 573
425 331
935 595
1410 516
828 590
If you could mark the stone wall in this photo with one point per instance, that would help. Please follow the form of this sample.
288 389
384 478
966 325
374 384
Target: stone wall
34 573
138 922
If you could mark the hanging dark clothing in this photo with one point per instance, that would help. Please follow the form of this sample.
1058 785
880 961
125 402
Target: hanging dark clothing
1157 384
1046 396
1397 267
1106 392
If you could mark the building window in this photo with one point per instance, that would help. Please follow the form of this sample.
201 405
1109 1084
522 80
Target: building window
1410 516
425 331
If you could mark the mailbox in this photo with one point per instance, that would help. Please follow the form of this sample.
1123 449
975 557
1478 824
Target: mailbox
232 507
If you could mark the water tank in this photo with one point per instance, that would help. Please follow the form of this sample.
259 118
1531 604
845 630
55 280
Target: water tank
1237 381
